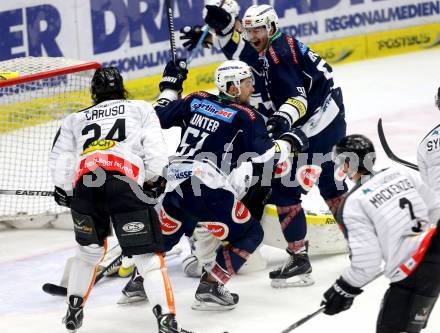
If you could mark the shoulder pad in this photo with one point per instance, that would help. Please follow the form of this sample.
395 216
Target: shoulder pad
252 114
201 94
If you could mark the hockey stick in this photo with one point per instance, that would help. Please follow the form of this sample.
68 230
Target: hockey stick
28 192
170 20
388 150
317 312
56 290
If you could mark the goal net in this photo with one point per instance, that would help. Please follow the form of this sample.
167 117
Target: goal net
36 93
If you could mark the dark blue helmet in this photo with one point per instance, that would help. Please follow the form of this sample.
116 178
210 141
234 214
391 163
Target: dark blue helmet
107 83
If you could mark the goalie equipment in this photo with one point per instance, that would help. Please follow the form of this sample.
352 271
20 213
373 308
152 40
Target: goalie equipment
134 291
294 273
213 296
191 266
74 317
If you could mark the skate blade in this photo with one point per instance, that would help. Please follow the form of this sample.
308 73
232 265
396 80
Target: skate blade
304 280
207 306
124 300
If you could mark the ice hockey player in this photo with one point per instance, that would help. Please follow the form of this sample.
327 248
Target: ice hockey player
428 154
389 215
107 154
224 143
300 85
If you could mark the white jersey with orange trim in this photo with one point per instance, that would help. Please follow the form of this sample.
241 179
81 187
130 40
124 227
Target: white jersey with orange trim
116 135
428 159
389 216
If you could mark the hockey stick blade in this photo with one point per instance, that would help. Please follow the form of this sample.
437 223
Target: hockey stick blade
55 290
28 192
388 150
303 320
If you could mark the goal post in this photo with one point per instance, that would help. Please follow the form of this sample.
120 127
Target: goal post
36 93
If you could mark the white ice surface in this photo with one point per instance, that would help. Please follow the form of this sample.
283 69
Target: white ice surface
399 89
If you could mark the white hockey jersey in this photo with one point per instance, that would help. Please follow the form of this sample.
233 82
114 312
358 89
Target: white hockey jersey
116 135
428 159
391 218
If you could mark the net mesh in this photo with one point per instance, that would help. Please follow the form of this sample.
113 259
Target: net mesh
30 115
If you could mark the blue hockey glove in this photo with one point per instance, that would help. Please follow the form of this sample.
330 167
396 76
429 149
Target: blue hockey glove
192 36
279 123
297 138
174 75
220 20
154 189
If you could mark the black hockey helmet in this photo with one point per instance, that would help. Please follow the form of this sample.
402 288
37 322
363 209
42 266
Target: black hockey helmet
356 150
437 98
107 83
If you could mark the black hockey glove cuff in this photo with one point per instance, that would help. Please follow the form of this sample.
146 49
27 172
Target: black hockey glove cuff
339 297
174 75
297 138
155 189
279 123
192 35
220 20
61 197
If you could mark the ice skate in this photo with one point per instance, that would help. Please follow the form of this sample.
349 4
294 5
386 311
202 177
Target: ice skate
213 296
74 317
295 272
167 322
134 291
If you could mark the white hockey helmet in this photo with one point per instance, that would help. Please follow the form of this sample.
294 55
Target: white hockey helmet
231 6
231 71
260 15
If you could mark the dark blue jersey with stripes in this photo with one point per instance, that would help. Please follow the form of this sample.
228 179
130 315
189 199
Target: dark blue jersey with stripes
290 69
215 128
294 70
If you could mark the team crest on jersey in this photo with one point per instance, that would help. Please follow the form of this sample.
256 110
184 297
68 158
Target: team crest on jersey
283 168
168 225
217 229
240 214
308 175
213 110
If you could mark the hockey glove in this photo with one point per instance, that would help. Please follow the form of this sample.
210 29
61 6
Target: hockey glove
61 197
174 75
154 189
279 123
220 20
339 297
297 138
192 36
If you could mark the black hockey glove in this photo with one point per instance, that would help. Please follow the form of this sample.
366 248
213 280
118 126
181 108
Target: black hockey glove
154 189
297 138
339 297
174 75
192 36
220 20
279 123
61 197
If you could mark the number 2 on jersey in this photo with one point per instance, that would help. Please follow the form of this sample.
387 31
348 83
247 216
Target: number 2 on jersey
403 203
